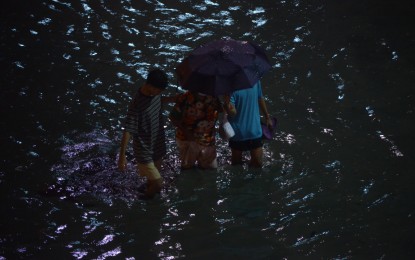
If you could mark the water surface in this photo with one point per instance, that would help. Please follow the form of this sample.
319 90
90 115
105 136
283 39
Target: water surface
337 181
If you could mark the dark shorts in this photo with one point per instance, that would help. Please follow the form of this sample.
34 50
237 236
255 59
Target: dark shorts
246 145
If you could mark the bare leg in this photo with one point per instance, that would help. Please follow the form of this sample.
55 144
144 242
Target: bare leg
207 157
236 157
256 157
158 164
153 187
188 154
154 180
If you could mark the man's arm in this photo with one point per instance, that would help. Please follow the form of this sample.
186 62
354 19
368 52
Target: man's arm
264 110
122 160
169 99
228 106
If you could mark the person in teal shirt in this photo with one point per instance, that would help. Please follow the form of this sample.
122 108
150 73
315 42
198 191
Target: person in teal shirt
244 107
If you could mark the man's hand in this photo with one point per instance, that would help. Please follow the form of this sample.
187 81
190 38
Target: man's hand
228 106
122 163
269 122
231 109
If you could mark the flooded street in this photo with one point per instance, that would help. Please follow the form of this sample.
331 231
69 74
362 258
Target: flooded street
337 180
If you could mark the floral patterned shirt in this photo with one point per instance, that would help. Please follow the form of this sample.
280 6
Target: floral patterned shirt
198 113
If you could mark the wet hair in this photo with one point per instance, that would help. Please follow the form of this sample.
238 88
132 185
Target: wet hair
157 78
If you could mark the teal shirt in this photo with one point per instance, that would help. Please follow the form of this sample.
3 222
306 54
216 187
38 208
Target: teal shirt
246 123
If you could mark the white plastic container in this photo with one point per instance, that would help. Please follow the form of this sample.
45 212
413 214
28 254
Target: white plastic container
229 132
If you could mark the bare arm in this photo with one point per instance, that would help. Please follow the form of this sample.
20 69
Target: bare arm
122 160
228 106
169 99
264 110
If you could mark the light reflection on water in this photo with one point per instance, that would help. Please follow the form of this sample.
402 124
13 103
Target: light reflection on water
335 179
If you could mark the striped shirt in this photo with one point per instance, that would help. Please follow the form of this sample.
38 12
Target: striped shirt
145 122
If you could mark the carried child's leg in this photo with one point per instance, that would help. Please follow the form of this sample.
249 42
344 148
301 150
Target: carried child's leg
187 153
207 157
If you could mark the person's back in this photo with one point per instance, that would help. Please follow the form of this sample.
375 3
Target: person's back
244 117
198 114
194 116
246 123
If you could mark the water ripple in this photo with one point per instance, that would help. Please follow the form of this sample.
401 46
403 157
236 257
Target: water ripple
338 160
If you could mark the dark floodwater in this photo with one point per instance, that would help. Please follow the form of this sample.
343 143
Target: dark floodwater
338 176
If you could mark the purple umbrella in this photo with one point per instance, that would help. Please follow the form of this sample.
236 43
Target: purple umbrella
222 66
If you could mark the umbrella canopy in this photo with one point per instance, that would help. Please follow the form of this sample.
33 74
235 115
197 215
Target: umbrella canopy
222 66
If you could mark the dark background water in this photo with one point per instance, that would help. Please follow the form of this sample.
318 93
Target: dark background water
338 176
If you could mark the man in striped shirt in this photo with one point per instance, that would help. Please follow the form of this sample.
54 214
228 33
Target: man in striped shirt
145 123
